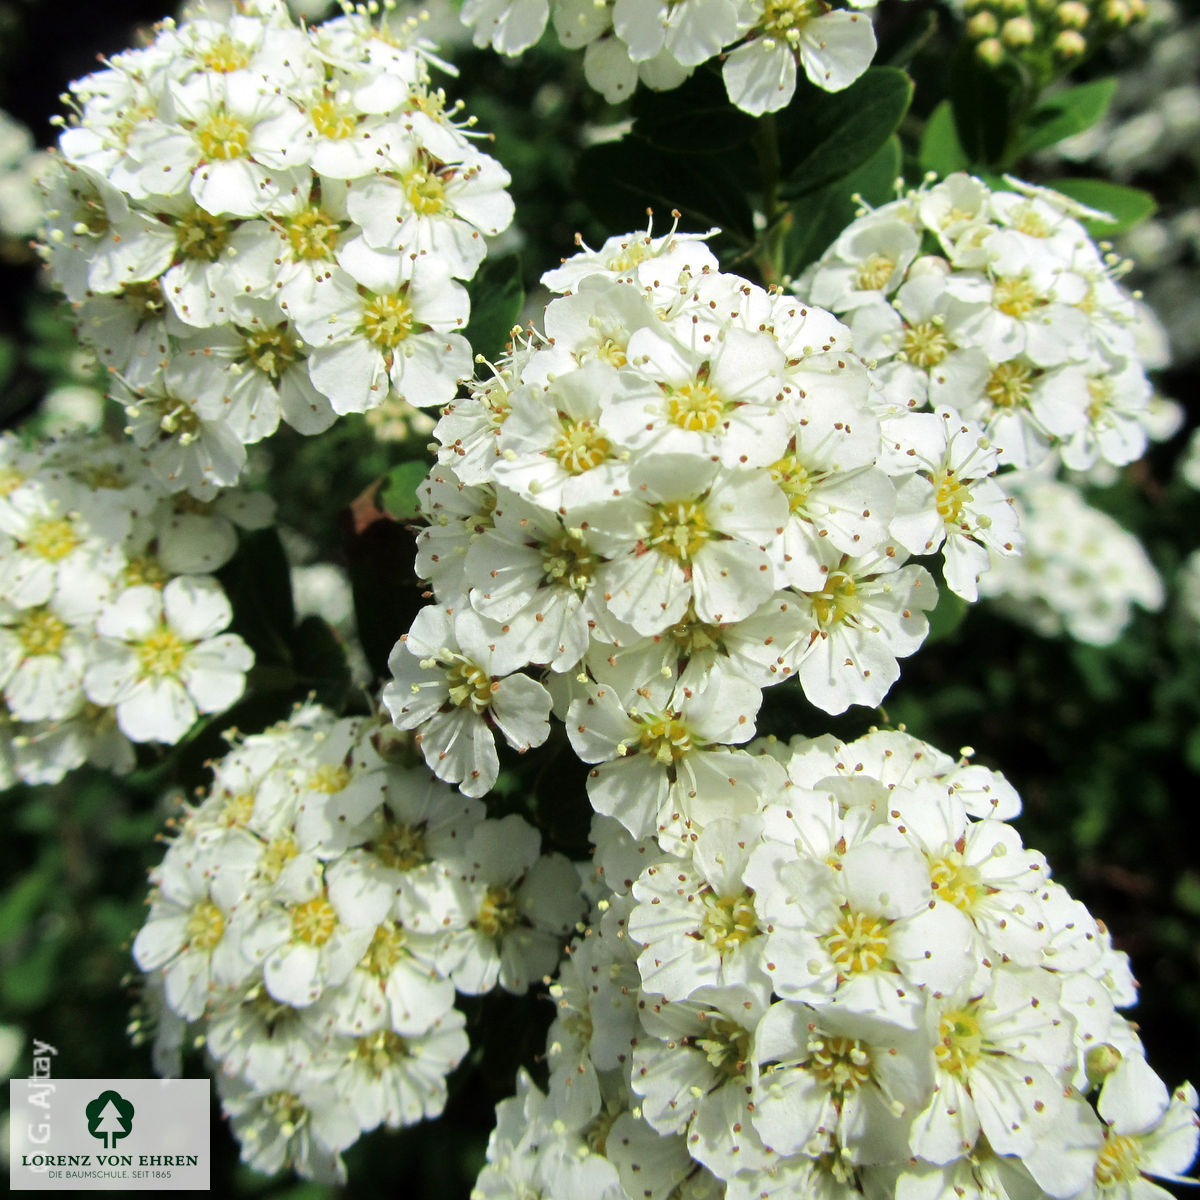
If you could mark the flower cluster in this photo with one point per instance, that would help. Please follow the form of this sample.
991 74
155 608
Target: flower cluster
259 222
763 44
677 497
1081 574
312 920
111 625
20 197
864 986
999 303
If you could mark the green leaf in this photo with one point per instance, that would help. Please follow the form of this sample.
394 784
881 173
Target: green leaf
694 118
321 658
1126 205
817 220
258 582
984 101
619 181
824 136
497 295
946 617
940 149
398 493
1067 113
21 902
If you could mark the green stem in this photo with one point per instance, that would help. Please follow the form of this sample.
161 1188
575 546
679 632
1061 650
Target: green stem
769 254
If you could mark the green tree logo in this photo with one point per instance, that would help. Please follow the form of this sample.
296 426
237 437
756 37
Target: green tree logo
109 1117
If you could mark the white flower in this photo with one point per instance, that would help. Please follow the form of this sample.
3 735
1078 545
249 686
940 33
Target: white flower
451 681
162 658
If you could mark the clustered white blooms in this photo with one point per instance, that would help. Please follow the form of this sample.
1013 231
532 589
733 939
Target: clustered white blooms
763 44
111 623
679 495
863 985
312 920
1081 573
21 164
998 303
260 222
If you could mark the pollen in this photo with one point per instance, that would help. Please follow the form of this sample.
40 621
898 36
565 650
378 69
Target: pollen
857 943
665 738
385 951
272 350
331 120
40 632
314 921
960 1041
794 481
223 137
470 685
581 447
53 539
205 926
161 653
401 846
1016 296
1010 385
1118 1160
838 601
312 234
679 529
926 345
729 921
498 913
567 562
951 496
875 272
387 321
426 190
225 55
842 1064
329 778
696 407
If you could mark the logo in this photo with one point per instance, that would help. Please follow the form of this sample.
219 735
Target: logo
109 1118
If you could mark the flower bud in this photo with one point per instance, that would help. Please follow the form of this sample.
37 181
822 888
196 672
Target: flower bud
982 25
1017 31
1069 44
1071 14
1101 1061
991 51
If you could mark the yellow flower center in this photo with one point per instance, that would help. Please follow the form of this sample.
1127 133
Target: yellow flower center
695 407
858 942
329 778
956 881
875 272
379 1051
331 120
794 481
926 344
581 446
665 738
1010 384
145 299
287 1111
237 810
145 569
161 653
629 256
837 601
678 529
225 55
53 539
786 18
726 1045
498 912
951 495
40 632
223 137
401 847
314 921
1099 398
426 190
470 685
1027 220
1119 1159
272 350
728 920
387 321
694 636
568 562
277 855
10 480
960 1041
842 1064
385 951
1016 296
205 926
312 234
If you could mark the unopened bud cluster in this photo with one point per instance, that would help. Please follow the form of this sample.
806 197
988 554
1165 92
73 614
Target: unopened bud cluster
112 627
260 222
1048 35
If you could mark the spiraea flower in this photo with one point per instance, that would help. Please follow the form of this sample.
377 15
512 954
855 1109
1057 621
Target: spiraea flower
261 222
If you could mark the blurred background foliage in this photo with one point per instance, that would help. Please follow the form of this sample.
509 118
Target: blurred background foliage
1102 743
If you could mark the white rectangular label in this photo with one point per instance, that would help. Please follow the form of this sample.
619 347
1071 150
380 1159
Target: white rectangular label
108 1134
